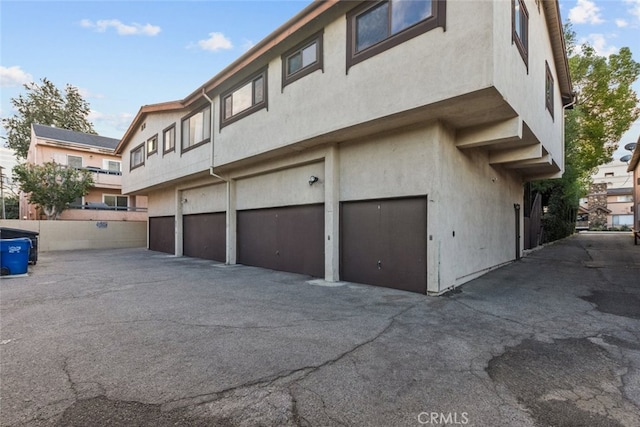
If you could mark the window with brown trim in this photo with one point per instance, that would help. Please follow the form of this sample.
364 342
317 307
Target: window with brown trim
520 27
169 139
303 59
196 128
246 98
152 145
548 89
374 27
137 157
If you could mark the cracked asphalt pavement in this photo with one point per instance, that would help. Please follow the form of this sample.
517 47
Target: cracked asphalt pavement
132 337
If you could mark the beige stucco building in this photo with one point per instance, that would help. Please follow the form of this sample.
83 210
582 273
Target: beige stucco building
105 201
363 141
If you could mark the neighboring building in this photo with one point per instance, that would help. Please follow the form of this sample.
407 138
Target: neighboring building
634 167
384 143
95 153
609 203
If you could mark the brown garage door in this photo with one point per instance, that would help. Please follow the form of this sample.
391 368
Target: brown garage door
384 243
205 236
162 234
285 239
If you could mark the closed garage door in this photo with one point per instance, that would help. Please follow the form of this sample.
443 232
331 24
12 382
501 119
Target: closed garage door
205 236
384 243
286 239
162 234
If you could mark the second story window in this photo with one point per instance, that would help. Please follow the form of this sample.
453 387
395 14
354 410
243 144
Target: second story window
548 90
74 161
137 156
245 99
169 139
196 129
302 60
111 165
152 145
375 27
520 23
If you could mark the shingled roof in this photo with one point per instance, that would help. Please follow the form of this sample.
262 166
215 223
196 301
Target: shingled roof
69 136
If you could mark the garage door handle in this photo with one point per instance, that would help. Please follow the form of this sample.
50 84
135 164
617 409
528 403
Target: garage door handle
379 265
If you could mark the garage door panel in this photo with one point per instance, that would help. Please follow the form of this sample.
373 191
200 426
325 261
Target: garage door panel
205 236
384 243
287 239
162 234
257 238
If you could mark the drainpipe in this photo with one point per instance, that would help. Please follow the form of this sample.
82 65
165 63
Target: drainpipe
230 211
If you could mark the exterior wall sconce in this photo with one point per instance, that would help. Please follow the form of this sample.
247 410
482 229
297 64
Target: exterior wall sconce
313 179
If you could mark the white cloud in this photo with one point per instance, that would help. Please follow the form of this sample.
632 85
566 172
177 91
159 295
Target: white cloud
13 76
247 44
215 42
119 122
121 28
621 23
634 8
585 12
86 93
600 44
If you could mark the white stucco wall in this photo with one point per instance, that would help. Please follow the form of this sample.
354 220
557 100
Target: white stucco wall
524 88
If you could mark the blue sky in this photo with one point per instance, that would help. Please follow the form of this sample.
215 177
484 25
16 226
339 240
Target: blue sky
125 54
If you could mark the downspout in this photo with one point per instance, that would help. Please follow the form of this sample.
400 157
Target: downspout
229 259
211 131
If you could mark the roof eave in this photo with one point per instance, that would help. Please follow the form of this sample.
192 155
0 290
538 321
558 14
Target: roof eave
558 45
635 158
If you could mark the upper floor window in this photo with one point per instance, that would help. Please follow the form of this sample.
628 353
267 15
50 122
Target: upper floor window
245 99
196 129
302 59
137 156
111 165
548 90
74 161
520 23
169 139
116 201
375 27
152 145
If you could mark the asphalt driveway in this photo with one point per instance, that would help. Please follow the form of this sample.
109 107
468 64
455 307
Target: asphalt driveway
138 338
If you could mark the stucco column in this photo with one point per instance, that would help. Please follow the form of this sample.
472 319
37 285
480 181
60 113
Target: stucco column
231 233
178 224
332 214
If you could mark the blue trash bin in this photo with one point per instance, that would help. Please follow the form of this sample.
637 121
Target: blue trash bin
14 256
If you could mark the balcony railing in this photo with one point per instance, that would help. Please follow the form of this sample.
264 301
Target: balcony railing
105 207
100 170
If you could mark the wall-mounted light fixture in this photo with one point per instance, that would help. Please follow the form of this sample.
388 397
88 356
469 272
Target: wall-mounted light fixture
313 179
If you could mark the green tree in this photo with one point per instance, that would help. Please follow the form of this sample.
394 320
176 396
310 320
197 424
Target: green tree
606 108
45 104
11 207
52 186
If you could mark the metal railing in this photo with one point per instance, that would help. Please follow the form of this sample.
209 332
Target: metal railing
105 207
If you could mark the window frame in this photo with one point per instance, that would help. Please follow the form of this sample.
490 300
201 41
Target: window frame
523 46
194 113
69 156
116 200
288 78
549 90
164 139
154 140
142 157
437 19
105 165
254 107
